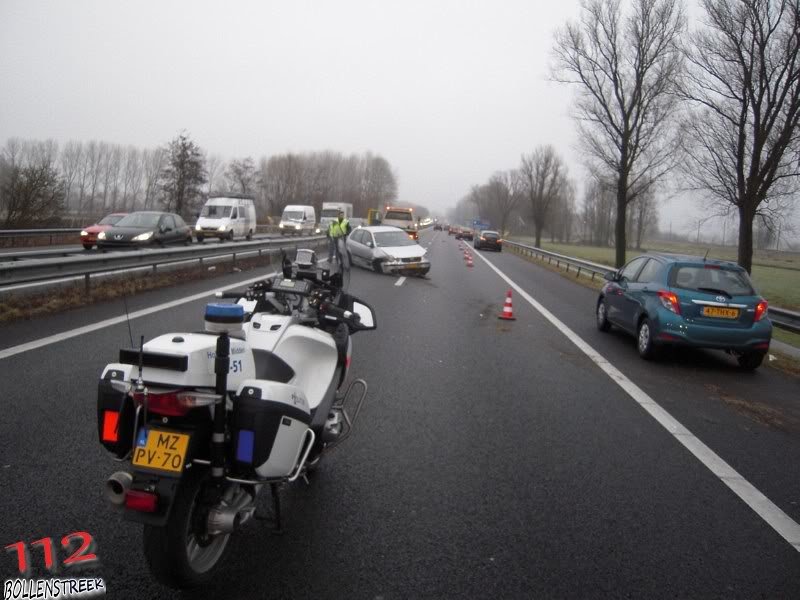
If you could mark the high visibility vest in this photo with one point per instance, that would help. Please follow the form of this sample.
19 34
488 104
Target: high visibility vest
337 229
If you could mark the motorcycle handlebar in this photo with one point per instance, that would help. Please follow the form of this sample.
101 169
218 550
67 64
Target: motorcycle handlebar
236 295
339 313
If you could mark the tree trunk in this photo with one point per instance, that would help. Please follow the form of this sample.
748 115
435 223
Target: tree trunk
622 205
538 243
746 218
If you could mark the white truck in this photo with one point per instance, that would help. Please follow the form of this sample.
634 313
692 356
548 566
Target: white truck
225 218
298 218
330 213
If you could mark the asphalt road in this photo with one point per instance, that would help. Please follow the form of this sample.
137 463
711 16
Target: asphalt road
492 460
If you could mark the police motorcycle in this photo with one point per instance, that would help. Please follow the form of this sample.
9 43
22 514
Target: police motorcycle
206 422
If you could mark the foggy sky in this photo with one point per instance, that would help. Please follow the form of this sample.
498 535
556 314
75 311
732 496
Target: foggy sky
447 91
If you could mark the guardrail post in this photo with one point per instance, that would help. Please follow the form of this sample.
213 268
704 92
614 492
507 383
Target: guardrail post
234 259
86 283
155 268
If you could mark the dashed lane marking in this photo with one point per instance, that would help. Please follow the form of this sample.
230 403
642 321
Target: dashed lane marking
400 281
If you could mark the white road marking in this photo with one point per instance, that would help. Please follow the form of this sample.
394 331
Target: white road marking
52 339
782 523
400 281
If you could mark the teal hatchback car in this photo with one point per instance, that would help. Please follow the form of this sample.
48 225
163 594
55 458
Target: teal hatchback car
666 299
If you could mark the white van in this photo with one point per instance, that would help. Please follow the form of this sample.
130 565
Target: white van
226 217
330 213
298 218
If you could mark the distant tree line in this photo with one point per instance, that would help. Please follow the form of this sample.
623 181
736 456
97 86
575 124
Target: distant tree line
538 198
41 183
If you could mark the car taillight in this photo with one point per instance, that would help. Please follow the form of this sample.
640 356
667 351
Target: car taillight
175 403
141 501
669 301
483 239
761 310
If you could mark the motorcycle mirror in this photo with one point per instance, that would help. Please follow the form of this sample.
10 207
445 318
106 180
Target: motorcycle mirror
121 386
366 316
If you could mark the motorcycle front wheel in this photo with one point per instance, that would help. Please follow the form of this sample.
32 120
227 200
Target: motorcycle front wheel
181 554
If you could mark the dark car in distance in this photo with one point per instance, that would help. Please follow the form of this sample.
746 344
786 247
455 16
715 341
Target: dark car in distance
488 239
146 228
667 299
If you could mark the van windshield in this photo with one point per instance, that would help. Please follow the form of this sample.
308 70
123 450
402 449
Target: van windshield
293 215
216 211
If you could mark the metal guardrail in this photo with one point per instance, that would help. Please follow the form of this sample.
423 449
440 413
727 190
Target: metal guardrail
780 317
51 269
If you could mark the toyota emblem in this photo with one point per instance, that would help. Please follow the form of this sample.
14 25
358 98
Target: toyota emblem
721 298
118 236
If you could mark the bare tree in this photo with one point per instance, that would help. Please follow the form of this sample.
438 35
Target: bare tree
214 164
240 175
626 69
71 157
543 175
742 136
153 161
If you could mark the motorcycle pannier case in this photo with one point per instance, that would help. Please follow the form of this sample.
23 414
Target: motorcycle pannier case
270 424
115 412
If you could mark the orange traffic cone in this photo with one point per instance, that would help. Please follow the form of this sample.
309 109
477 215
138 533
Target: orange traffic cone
508 310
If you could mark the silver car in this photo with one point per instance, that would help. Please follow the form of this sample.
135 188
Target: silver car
387 250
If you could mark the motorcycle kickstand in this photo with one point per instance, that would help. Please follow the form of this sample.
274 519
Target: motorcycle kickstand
276 509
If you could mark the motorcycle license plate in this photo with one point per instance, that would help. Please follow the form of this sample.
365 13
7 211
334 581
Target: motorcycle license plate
160 450
724 313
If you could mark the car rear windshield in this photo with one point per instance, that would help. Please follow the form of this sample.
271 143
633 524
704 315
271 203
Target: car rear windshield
711 279
387 239
398 215
490 234
145 220
330 212
216 211
110 219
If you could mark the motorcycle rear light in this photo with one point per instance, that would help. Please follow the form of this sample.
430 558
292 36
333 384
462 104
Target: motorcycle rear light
110 426
141 501
175 403
761 310
669 301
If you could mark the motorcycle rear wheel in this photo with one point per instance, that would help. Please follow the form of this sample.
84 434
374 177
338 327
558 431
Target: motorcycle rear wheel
179 554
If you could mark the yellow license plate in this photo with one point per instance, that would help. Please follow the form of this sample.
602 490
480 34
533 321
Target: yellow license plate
161 450
725 313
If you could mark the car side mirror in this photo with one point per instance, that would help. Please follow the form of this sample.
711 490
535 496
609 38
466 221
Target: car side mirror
610 276
369 245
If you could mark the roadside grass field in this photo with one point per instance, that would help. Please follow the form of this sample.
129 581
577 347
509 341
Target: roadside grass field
776 275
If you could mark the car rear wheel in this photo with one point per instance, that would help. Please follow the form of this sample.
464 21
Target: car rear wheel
644 339
200 239
249 235
603 323
750 361
87 246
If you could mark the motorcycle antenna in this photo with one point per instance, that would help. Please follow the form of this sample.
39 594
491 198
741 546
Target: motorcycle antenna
127 315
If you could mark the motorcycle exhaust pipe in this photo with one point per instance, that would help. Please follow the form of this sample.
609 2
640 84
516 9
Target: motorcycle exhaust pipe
117 486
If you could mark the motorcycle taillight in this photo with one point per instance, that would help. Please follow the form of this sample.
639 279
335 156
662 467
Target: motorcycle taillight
174 403
162 403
